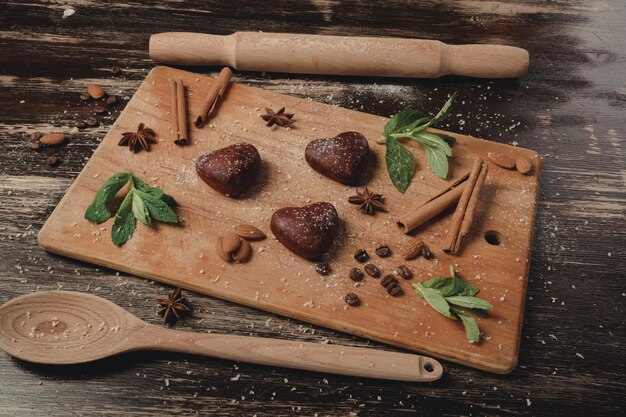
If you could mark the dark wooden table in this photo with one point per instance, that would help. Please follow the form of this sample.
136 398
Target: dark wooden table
570 108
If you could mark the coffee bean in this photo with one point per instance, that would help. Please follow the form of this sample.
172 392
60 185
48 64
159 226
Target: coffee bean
112 100
99 110
35 144
404 272
81 124
323 269
355 274
383 251
85 97
91 122
52 160
35 136
352 299
115 70
394 290
372 270
361 255
388 280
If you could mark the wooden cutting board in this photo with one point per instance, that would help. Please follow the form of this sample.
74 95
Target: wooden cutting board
274 279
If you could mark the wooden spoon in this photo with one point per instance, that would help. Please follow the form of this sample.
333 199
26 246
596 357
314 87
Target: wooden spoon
65 327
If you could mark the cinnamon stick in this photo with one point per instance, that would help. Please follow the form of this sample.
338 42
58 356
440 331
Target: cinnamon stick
179 111
451 245
435 205
471 207
215 93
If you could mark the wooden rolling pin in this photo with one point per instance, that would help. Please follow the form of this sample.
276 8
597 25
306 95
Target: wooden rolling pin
339 55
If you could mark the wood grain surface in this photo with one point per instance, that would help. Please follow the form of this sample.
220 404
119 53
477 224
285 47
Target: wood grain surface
569 108
275 279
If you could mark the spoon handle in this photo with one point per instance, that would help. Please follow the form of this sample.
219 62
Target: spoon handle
334 359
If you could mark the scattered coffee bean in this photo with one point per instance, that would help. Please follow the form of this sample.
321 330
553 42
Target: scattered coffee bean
99 110
115 70
404 272
394 289
35 144
81 124
52 160
323 269
383 251
388 280
91 122
361 255
35 136
372 270
352 299
85 96
355 274
112 100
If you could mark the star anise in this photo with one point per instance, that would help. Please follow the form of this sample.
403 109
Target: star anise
138 140
367 201
279 118
173 306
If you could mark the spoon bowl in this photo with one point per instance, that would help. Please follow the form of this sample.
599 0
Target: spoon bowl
65 327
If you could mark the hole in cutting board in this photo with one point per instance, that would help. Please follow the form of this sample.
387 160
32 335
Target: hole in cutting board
428 367
493 238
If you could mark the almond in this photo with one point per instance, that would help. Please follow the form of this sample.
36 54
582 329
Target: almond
243 253
523 165
501 160
230 242
95 91
411 249
247 231
52 139
220 252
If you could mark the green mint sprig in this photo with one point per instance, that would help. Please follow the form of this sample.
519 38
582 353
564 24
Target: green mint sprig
142 202
412 124
449 295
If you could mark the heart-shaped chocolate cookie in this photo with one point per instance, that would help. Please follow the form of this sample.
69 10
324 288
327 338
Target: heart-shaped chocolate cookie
306 231
230 170
342 158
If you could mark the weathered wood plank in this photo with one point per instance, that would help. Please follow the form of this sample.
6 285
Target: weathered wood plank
570 108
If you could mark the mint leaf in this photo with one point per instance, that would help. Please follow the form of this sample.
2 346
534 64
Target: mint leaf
444 112
469 290
400 164
434 141
454 287
448 139
158 209
412 124
143 203
435 300
403 121
125 221
169 200
436 282
471 327
442 292
140 185
98 212
139 209
438 162
469 302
